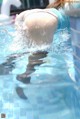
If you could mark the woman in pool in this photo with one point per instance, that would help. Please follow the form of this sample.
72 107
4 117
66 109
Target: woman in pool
39 26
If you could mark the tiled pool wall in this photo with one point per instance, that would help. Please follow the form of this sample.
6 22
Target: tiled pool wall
75 38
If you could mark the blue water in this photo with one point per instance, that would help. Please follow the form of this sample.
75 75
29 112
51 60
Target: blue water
50 92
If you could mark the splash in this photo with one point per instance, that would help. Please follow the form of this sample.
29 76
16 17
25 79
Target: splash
59 45
23 42
17 41
62 43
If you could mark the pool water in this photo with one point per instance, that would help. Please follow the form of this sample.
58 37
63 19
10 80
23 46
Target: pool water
47 91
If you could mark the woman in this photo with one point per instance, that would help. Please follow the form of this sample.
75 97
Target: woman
39 26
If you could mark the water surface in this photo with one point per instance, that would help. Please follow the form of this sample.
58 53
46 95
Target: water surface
37 86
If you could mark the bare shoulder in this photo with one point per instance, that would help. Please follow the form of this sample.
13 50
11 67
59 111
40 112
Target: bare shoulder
39 18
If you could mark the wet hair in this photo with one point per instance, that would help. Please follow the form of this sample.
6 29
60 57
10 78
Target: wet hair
57 4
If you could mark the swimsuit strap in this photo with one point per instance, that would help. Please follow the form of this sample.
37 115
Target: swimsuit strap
63 19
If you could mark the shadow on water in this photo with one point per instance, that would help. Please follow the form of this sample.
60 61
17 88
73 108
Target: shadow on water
35 59
7 66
